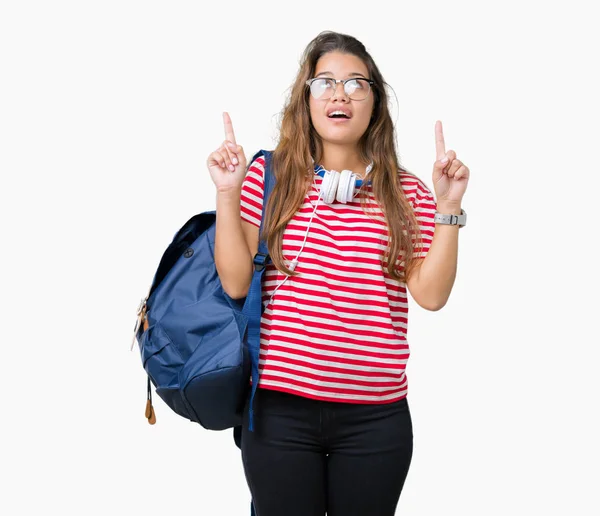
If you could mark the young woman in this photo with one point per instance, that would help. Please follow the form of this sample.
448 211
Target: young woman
333 428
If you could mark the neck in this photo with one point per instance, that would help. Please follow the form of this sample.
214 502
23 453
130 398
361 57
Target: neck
340 157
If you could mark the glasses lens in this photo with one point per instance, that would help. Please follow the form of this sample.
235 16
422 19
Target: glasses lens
321 88
357 89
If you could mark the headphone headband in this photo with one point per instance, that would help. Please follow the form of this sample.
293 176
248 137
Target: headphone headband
320 171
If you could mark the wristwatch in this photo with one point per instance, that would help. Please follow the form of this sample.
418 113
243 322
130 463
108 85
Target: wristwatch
453 220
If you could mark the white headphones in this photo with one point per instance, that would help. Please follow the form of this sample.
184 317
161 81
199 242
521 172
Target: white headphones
335 185
339 185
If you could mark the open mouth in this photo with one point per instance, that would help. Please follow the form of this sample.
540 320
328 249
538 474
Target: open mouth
338 116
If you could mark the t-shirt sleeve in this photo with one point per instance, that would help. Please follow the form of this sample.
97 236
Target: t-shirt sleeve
424 206
252 192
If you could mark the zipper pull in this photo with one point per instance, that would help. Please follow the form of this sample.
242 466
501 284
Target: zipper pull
142 317
150 415
135 329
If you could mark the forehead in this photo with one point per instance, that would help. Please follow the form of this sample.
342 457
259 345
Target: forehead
336 64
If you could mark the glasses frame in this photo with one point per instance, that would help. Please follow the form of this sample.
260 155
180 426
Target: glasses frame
343 81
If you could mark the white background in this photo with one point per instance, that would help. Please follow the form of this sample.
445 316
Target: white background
108 111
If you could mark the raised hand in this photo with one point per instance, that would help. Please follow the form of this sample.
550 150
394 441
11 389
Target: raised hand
227 165
450 175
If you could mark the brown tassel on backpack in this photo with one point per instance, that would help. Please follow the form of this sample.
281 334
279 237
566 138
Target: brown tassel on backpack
150 415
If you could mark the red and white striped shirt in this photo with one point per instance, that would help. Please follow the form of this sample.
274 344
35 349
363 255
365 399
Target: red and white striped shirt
337 331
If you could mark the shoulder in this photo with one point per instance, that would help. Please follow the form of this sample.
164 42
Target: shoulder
257 165
415 189
255 174
251 199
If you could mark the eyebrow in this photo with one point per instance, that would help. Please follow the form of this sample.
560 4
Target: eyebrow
353 74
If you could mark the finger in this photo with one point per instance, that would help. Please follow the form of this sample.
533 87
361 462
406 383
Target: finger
236 149
231 151
227 156
229 134
461 173
224 160
454 166
451 155
445 164
440 145
216 158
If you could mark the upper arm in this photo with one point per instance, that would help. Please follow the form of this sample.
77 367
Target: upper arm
412 283
424 207
251 236
423 203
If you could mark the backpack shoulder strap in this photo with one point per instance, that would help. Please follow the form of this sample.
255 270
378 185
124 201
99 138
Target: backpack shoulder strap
268 178
253 306
262 256
269 183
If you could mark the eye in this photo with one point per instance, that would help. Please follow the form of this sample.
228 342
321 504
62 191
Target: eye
319 86
352 86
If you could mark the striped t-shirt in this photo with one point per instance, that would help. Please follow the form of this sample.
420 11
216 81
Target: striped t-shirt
338 330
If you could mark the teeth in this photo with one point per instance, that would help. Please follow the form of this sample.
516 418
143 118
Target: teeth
338 113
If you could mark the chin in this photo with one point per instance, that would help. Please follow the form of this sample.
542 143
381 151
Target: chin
340 137
340 140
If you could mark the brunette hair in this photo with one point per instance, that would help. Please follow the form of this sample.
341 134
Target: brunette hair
299 143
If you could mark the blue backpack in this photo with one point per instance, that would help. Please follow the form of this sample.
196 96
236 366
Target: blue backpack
199 346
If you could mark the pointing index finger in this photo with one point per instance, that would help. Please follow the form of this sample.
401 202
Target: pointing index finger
229 134
440 145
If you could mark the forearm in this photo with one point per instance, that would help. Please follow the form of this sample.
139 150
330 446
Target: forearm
438 271
232 256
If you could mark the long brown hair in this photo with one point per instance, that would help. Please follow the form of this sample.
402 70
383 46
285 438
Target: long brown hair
299 142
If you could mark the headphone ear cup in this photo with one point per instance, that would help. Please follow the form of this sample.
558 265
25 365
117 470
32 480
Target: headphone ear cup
329 185
346 186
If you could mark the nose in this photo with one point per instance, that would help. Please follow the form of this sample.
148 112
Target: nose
337 95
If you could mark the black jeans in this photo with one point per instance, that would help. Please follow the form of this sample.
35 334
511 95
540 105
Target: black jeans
308 457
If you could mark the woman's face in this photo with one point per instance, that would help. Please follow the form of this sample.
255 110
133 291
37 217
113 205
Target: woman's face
340 130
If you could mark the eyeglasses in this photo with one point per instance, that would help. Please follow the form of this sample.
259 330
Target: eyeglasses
323 88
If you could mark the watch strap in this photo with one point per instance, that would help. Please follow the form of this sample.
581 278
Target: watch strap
451 219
